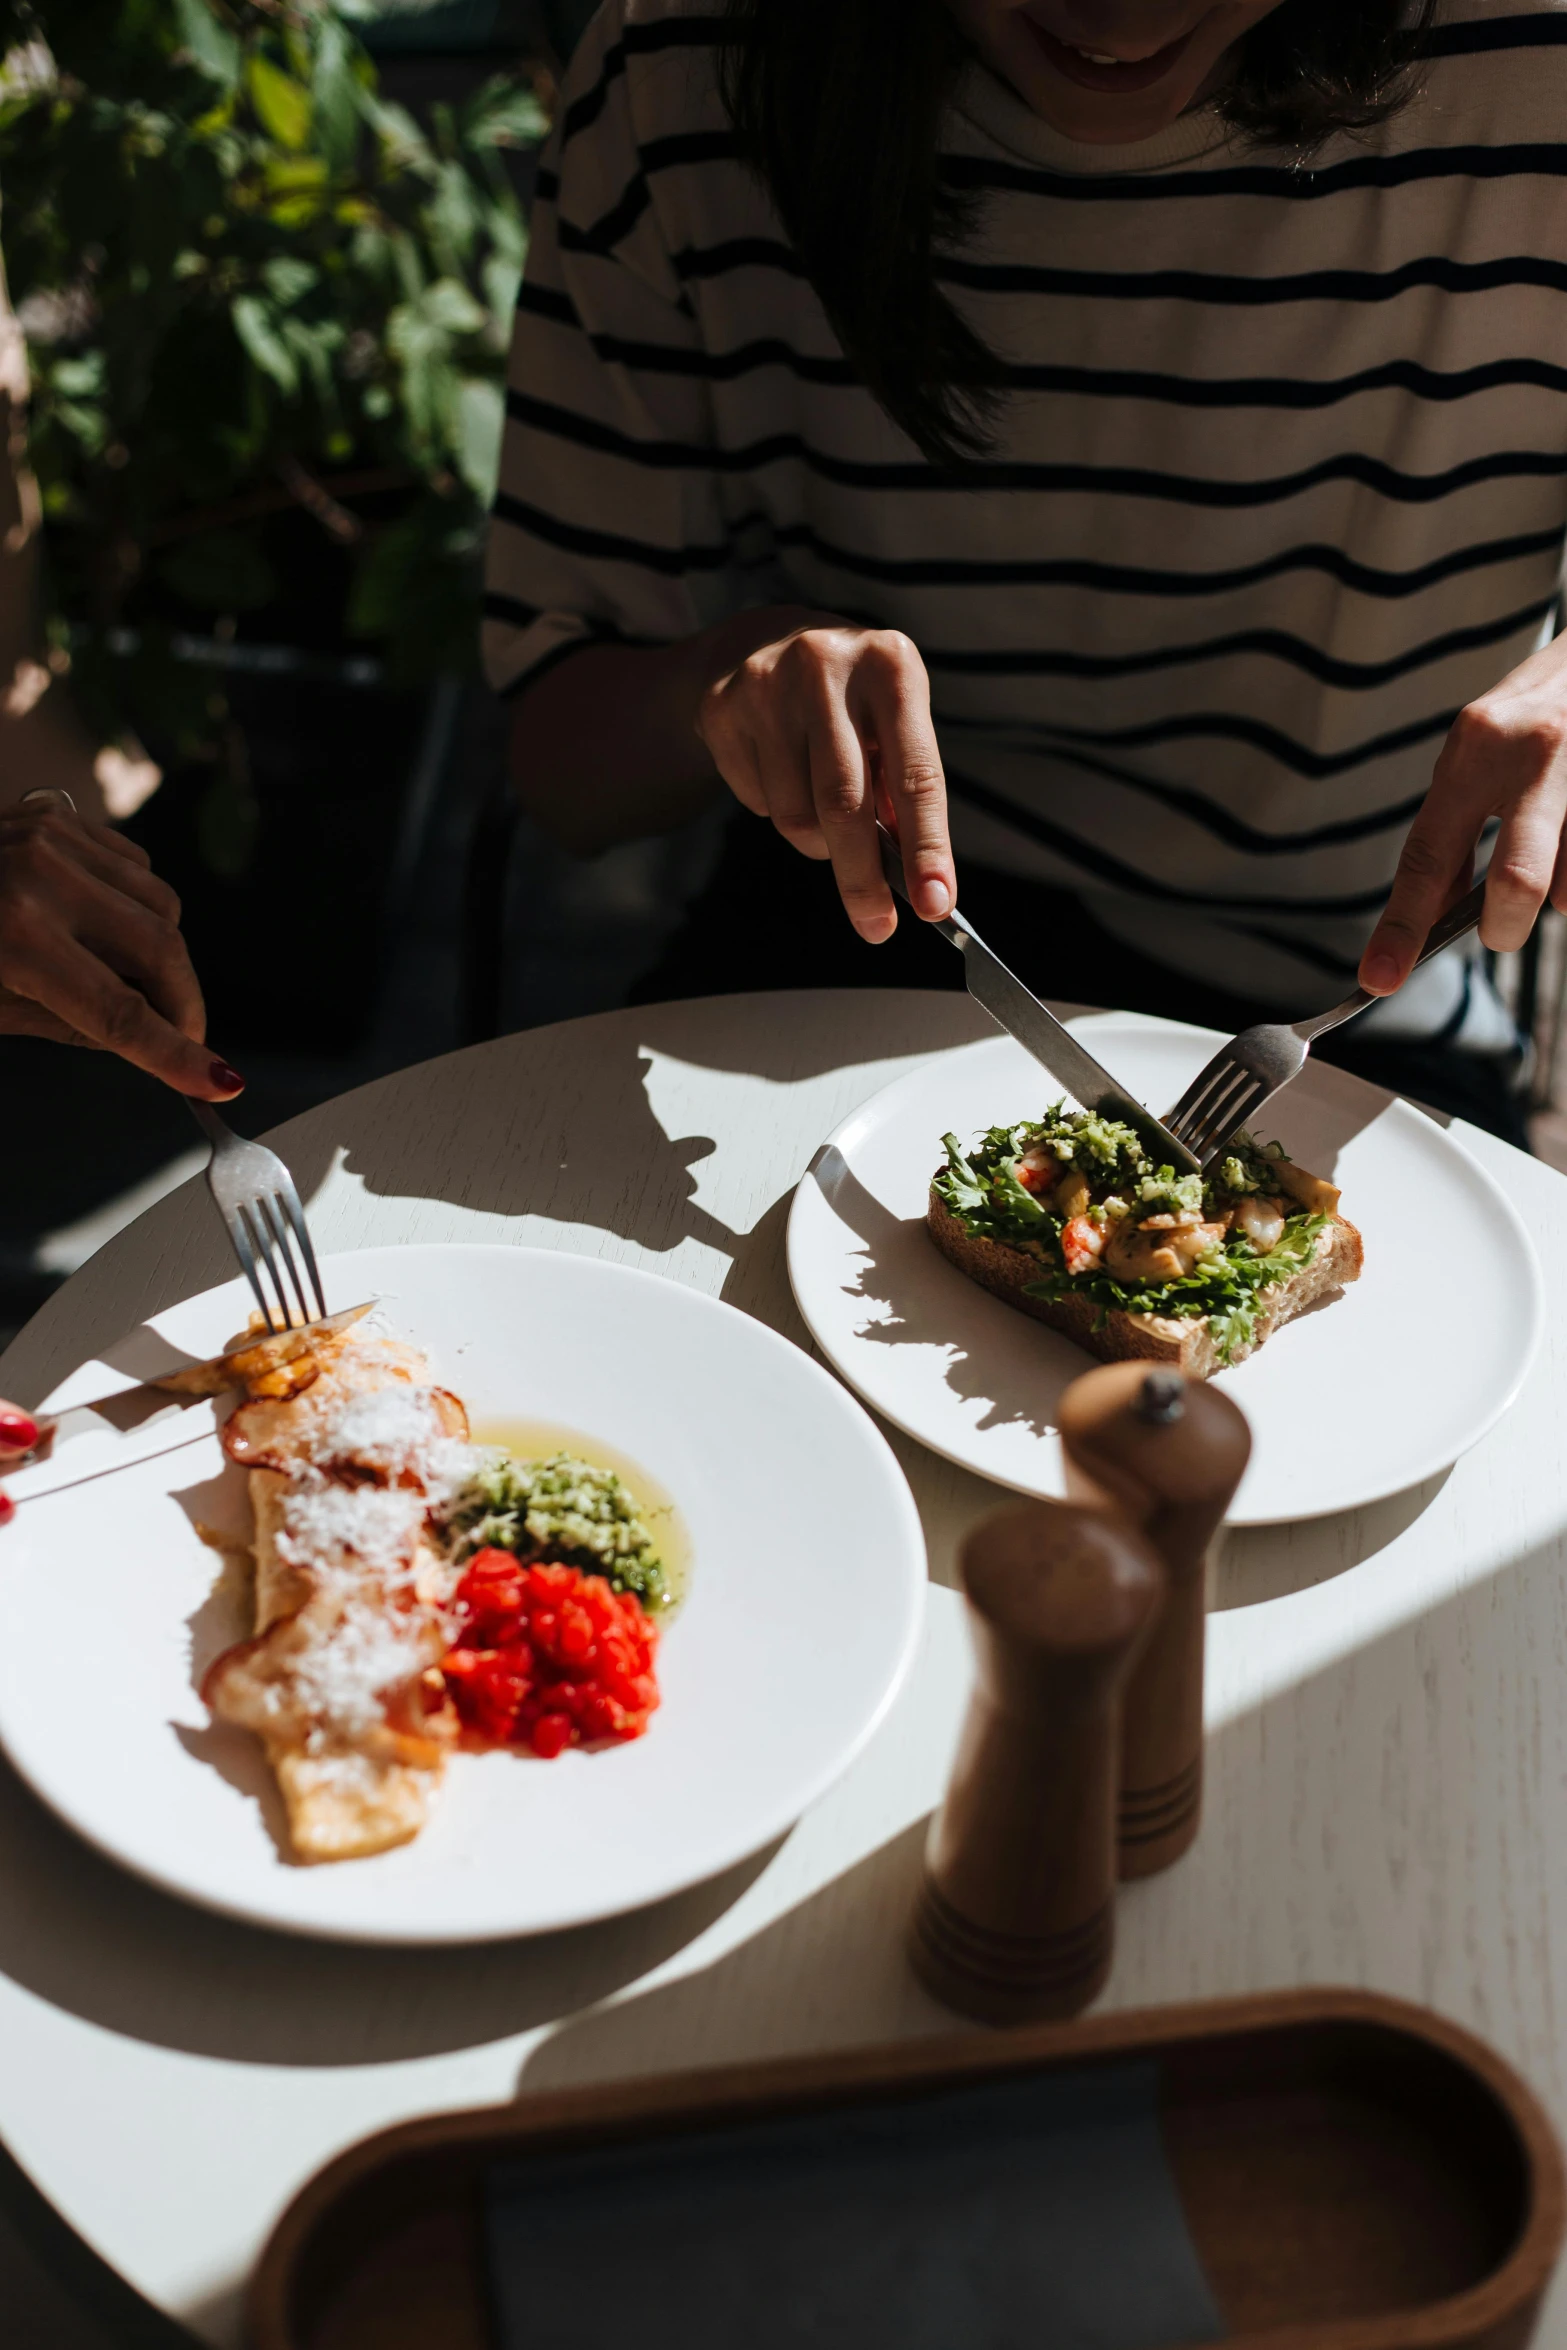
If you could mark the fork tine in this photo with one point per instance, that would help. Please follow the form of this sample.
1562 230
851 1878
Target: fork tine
1201 1085
1195 1108
239 1241
1238 1085
261 1237
289 1196
1229 1114
271 1206
1199 1098
1211 1122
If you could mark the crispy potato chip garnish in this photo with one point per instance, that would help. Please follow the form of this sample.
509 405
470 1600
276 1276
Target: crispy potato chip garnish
264 1357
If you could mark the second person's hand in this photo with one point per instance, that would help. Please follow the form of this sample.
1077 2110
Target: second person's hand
91 952
19 1432
812 722
1505 757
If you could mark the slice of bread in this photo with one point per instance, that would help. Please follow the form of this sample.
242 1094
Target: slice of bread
1116 1336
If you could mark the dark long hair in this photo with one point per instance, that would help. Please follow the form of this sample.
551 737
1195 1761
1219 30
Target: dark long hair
837 104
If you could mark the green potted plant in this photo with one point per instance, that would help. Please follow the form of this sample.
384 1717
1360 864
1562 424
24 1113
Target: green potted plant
267 313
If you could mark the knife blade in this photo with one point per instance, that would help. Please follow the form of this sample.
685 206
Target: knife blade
1010 1004
102 1418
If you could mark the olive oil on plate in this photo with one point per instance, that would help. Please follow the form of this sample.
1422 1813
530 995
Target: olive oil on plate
537 1440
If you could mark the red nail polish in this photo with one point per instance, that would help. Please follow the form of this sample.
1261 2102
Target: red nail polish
7 1509
229 1079
18 1433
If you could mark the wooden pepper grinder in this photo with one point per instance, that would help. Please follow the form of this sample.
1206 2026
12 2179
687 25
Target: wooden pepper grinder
1014 1915
1167 1453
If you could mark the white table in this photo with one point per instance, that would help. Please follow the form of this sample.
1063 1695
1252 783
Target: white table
1388 1703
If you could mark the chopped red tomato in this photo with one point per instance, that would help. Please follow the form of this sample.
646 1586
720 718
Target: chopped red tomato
547 1657
1082 1244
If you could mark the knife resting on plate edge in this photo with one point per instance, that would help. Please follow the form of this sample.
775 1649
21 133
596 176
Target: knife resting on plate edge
103 1417
999 992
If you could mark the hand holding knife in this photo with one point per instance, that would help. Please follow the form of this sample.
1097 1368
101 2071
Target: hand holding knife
1039 1032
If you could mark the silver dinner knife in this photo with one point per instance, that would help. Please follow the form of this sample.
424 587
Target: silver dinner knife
1024 1017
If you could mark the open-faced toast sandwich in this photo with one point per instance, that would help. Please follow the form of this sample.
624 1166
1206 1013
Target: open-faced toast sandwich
1069 1220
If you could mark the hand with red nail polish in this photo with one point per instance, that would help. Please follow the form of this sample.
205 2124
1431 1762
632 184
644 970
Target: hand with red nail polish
91 952
18 1435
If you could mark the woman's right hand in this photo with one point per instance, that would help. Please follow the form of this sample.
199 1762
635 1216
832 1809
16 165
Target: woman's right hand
91 952
813 723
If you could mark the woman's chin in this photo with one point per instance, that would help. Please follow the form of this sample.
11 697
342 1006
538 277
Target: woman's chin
1094 120
1080 102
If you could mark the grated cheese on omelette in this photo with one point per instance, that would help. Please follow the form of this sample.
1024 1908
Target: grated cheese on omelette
377 1526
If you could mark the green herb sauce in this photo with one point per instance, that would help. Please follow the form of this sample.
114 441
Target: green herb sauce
563 1508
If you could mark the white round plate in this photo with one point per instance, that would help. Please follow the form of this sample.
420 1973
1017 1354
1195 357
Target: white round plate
806 1592
1361 1397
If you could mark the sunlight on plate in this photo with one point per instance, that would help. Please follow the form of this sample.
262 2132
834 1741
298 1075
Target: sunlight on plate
1363 1396
799 1525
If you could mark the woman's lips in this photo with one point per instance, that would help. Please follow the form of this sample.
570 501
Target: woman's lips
1121 79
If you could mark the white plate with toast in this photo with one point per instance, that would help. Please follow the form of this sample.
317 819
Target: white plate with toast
1365 1395
805 1594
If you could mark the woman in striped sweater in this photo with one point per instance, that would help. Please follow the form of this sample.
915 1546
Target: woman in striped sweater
1128 433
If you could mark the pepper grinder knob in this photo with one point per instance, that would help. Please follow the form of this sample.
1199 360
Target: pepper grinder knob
1166 1453
1014 1919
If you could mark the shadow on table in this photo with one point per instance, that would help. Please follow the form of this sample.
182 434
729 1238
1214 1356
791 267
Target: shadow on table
830 1972
1378 1822
57 2293
584 1144
1259 1563
1379 1879
82 1935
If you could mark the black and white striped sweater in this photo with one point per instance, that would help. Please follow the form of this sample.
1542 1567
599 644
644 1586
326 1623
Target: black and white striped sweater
1280 480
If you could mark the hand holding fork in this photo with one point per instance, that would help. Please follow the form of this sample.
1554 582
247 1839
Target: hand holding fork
1247 1072
256 1198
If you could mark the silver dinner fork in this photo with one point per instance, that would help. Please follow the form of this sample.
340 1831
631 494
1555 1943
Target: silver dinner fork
1253 1066
256 1198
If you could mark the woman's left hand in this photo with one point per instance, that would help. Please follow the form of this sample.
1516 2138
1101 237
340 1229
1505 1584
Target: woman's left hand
18 1434
1505 756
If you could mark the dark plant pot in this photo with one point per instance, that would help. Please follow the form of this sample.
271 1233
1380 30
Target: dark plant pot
283 856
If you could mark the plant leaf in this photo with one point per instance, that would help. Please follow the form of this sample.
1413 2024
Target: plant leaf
286 277
449 306
211 45
502 276
282 105
255 328
336 93
503 113
479 416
